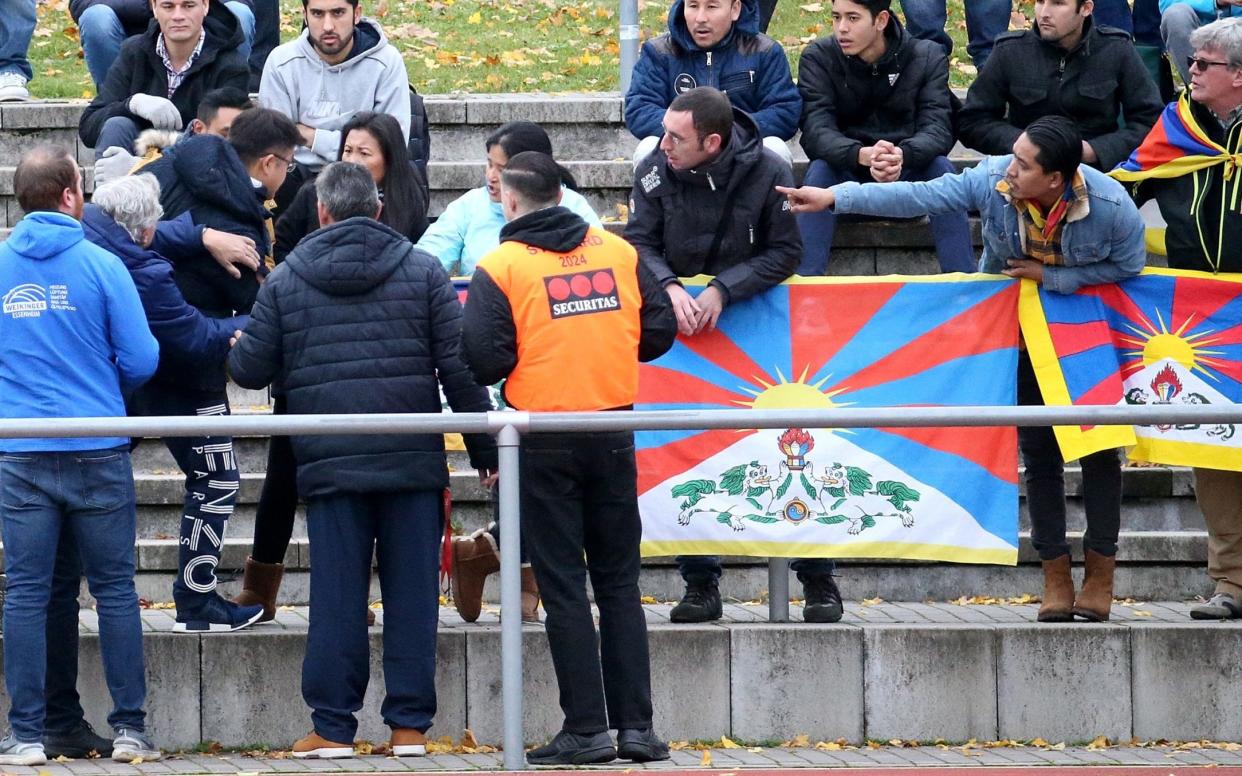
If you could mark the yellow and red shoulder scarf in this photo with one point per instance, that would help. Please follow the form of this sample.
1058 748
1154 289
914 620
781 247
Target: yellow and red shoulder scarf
1177 145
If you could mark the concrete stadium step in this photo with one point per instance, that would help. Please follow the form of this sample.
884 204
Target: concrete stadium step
901 670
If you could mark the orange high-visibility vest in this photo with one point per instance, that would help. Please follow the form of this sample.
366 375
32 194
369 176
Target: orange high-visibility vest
577 320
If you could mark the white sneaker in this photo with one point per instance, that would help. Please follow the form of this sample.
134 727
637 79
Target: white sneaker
13 87
14 752
130 746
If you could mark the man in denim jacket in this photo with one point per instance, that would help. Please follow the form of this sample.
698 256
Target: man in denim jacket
1050 218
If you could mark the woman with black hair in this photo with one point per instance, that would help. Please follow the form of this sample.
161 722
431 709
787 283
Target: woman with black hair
375 141
470 226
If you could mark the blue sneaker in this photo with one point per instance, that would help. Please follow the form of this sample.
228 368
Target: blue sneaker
217 615
14 752
133 746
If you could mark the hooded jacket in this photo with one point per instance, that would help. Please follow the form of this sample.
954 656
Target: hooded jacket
746 64
1097 83
204 176
299 84
675 215
1204 225
356 320
73 337
139 70
192 345
903 97
575 379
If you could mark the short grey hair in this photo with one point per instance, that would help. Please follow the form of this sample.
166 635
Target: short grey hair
1223 36
133 202
346 190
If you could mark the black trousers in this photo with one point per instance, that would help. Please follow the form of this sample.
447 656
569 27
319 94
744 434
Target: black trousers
278 501
580 517
1045 483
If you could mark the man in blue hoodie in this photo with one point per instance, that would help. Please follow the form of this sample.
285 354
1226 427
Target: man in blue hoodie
714 43
73 339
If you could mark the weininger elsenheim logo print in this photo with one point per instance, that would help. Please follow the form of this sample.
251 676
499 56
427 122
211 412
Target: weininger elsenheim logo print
25 301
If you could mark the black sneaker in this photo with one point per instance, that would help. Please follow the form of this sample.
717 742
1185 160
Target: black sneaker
823 599
574 749
217 615
76 744
701 603
641 746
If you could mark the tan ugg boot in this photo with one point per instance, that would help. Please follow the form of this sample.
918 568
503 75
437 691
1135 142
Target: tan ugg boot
1095 602
474 558
530 596
260 586
1058 601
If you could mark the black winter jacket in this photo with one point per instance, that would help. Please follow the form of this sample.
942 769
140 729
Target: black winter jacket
139 70
357 320
674 217
203 175
1204 225
903 98
489 332
1101 84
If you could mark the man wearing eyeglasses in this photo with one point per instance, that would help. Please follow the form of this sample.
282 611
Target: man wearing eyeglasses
1197 192
1066 65
222 184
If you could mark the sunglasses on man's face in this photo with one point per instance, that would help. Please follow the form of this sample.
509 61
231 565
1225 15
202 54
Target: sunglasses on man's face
1201 64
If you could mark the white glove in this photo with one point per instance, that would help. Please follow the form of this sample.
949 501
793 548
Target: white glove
158 110
115 163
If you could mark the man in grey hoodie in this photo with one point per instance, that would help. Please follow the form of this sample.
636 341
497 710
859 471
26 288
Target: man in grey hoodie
341 64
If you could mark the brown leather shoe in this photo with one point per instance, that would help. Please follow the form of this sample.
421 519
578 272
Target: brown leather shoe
370 617
315 745
1058 601
530 596
408 742
1095 602
474 557
260 586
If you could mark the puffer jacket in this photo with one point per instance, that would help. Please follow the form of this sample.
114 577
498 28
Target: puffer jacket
357 320
747 65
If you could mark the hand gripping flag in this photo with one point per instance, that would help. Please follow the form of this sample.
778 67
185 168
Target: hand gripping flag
926 493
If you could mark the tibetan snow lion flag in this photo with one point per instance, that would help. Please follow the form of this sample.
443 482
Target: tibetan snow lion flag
947 494
1164 337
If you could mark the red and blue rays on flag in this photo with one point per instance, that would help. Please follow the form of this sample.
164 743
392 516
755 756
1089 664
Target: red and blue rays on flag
827 342
1175 146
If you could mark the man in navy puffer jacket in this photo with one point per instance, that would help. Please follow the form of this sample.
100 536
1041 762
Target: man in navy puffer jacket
714 43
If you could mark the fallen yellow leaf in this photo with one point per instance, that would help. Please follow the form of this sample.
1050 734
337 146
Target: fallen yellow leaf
474 18
706 762
727 743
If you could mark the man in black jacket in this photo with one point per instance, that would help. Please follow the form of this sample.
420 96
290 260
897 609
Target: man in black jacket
582 334
1066 66
706 203
159 76
356 320
876 106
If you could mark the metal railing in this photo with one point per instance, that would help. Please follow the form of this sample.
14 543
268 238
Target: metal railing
509 427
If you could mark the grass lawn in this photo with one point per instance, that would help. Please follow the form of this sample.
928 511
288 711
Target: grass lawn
481 46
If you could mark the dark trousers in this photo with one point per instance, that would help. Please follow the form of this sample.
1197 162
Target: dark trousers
1045 483
60 687
211 484
278 501
580 517
403 531
705 569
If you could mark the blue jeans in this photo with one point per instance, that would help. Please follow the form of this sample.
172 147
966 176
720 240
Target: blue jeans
403 530
950 232
102 34
985 19
1113 13
92 494
118 131
17 23
64 705
705 569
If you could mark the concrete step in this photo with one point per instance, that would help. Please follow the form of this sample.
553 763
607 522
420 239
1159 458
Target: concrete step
911 671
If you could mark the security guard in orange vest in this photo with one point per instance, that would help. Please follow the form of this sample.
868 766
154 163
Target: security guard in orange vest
565 312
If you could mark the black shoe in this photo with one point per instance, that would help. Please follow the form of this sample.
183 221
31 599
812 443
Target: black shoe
641 746
823 599
701 603
77 743
574 749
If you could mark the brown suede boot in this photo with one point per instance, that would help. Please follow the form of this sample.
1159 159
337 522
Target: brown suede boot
260 586
1058 591
1095 602
474 557
530 596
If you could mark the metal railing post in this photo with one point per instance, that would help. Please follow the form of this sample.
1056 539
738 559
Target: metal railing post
778 590
628 40
511 599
